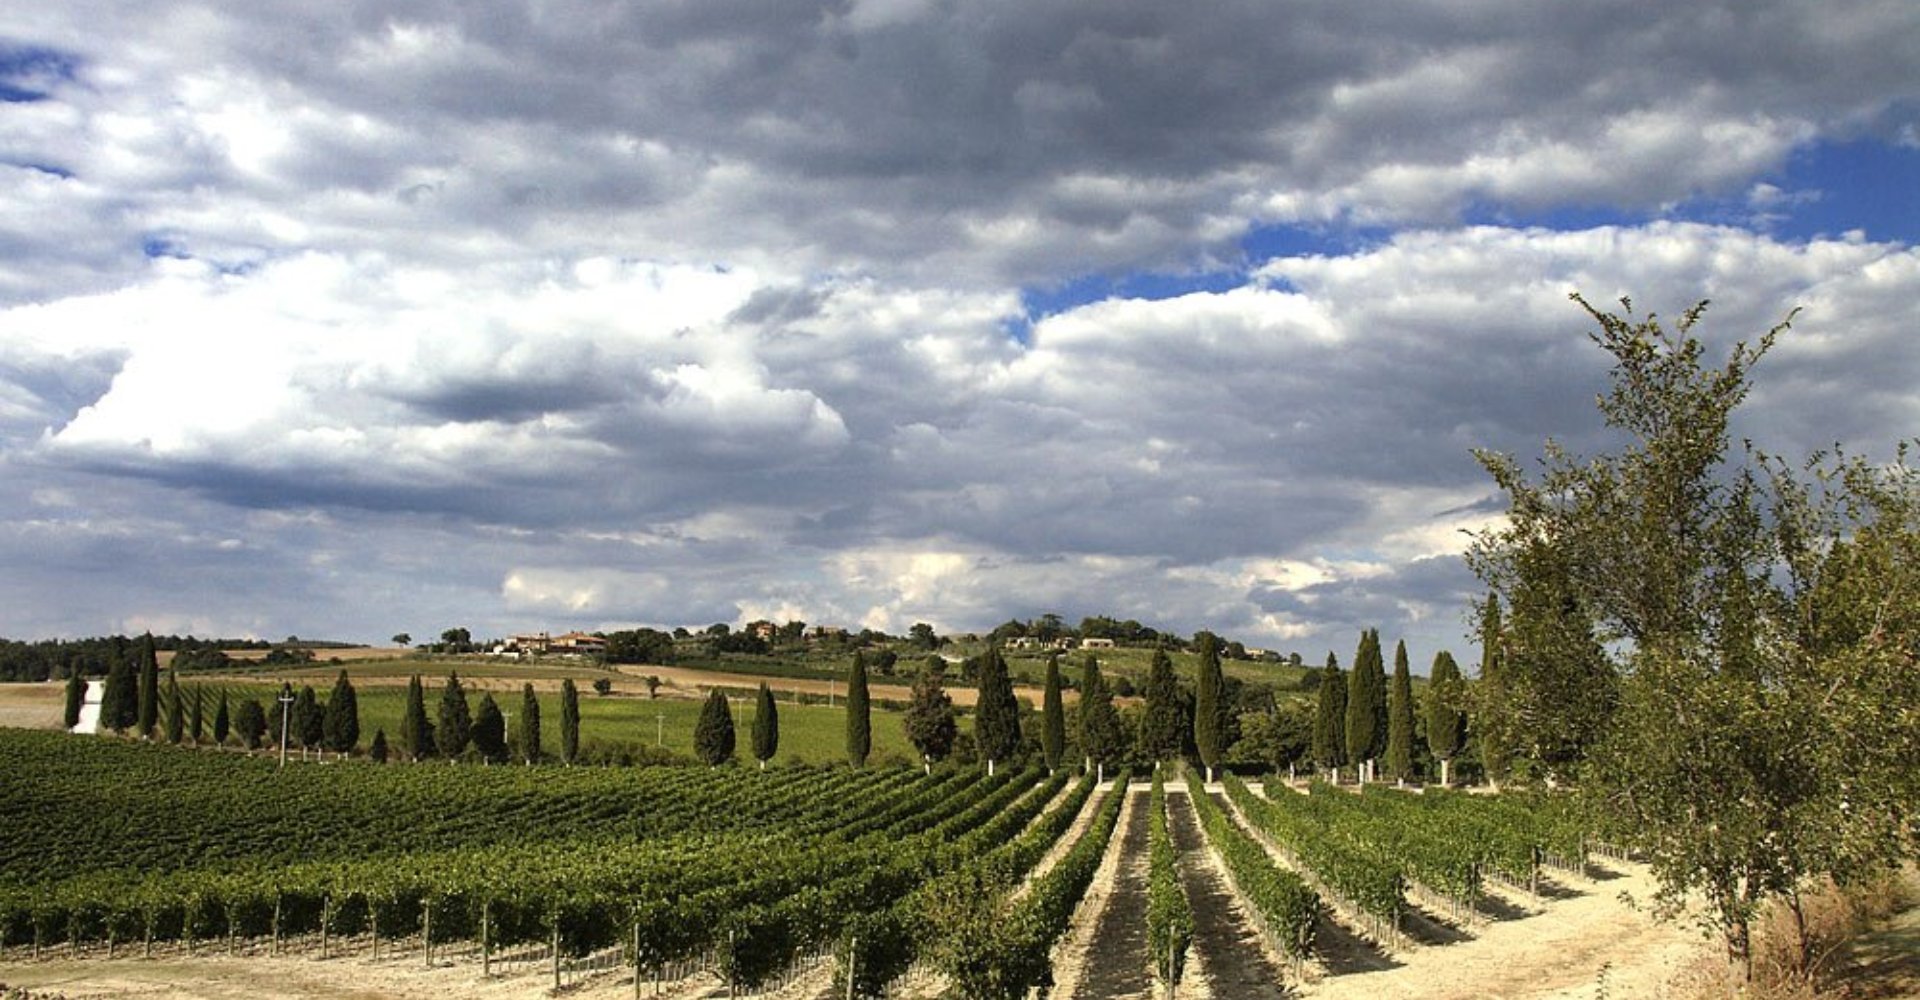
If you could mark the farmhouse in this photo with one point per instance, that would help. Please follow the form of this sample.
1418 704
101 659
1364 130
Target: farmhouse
1096 644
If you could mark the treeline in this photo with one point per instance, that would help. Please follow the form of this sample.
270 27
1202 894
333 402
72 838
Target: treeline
57 659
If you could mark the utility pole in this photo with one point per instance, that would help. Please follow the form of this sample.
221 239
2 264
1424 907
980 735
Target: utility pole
286 716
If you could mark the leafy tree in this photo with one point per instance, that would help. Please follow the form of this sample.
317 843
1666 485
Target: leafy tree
1210 706
250 723
996 719
529 723
766 726
223 722
76 698
455 727
1053 717
148 704
1760 618
416 733
859 720
377 751
921 636
1160 736
197 715
603 686
309 720
402 639
569 721
173 709
1102 735
1330 719
340 728
490 731
713 734
1446 725
1400 717
456 640
1367 701
929 719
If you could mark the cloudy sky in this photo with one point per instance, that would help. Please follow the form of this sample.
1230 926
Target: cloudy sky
353 318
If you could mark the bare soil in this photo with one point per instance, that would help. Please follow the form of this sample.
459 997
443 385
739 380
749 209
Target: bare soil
1109 959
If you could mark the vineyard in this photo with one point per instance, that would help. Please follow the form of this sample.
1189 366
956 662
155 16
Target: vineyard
795 881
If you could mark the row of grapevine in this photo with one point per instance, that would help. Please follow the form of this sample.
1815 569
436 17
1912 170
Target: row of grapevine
1441 859
1352 873
1287 907
1169 913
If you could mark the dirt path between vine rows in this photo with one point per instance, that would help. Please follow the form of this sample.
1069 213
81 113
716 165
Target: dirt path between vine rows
1229 955
1110 960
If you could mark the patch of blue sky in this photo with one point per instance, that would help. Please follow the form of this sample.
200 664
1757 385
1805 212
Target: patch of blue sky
26 71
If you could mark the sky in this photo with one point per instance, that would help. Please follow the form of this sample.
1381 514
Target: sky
349 319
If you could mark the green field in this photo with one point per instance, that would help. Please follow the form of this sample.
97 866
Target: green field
810 734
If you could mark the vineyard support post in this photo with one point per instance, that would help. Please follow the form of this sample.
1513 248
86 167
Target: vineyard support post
636 957
556 949
146 946
273 946
426 931
853 963
486 940
326 910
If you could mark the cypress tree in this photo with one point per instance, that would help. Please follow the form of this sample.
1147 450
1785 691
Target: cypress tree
1209 706
1330 719
341 725
569 722
859 721
149 695
173 711
996 719
766 726
1160 736
490 731
197 715
456 720
309 720
1101 733
76 697
529 723
929 720
119 704
1494 752
416 733
1053 717
1400 717
1367 701
250 722
1446 726
377 750
222 721
713 735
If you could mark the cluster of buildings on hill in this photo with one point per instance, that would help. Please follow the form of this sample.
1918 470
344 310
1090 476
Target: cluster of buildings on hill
540 644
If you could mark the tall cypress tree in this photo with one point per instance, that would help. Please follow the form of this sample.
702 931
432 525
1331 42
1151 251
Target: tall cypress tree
1367 701
456 719
1160 736
119 703
222 721
416 733
1446 726
529 723
76 697
250 723
1330 718
1495 755
149 693
309 720
197 715
1053 717
569 722
377 750
1101 733
996 719
490 731
766 726
173 712
1209 706
1400 717
713 735
341 725
859 719
929 720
